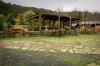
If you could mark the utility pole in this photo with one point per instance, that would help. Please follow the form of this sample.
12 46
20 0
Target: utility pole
70 22
40 21
83 15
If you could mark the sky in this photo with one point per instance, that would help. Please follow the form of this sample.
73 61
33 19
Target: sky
64 5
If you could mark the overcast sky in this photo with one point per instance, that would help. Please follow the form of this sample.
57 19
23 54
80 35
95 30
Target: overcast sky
66 5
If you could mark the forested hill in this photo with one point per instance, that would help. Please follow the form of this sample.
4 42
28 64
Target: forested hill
7 8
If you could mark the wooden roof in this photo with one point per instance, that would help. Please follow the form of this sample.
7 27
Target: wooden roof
90 22
46 16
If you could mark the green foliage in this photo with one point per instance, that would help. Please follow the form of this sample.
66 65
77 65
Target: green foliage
56 24
2 22
22 18
26 15
10 19
5 27
20 26
22 64
6 22
6 8
41 30
19 19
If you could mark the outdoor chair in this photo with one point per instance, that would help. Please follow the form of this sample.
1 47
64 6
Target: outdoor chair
71 32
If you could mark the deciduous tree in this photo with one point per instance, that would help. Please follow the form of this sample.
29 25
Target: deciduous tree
2 22
11 19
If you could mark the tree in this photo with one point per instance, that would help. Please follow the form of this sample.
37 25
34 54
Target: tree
96 15
22 19
6 8
2 22
19 19
11 19
26 15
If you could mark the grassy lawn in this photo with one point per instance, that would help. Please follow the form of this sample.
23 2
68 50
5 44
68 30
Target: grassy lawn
48 50
81 36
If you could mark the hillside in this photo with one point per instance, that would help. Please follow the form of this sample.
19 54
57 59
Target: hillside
6 8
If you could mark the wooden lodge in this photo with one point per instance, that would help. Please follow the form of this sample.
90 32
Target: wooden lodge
91 25
62 20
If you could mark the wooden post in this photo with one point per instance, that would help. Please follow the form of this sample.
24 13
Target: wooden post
40 21
53 23
49 23
32 23
62 24
43 23
28 24
58 21
83 16
80 22
70 22
95 25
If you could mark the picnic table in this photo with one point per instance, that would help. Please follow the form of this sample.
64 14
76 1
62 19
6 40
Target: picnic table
15 30
55 31
72 32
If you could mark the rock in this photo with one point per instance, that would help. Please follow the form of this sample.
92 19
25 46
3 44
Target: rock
97 51
71 51
15 47
36 49
63 50
24 48
41 50
8 47
87 50
94 48
52 51
79 52
27 44
47 46
8 43
79 47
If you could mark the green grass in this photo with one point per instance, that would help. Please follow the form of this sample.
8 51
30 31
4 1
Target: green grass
20 26
80 36
36 58
1 31
77 59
